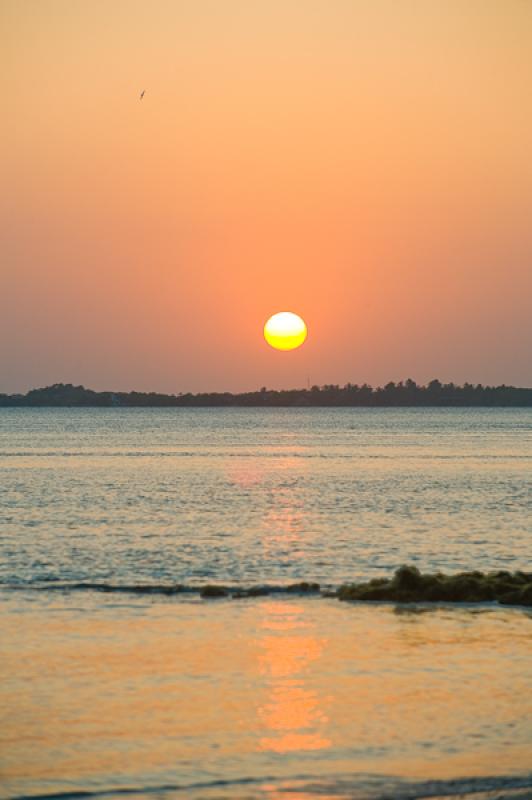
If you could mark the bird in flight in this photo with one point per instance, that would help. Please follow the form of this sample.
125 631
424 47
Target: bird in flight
142 94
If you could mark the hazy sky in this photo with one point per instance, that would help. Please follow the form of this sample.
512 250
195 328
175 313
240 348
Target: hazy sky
364 163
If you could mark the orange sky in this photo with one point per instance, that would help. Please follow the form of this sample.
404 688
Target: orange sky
364 163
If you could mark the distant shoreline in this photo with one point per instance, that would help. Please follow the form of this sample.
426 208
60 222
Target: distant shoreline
393 395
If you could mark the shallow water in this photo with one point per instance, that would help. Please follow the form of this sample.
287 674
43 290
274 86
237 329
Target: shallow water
254 697
275 697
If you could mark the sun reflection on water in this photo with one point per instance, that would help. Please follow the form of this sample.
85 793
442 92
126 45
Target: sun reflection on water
293 713
285 522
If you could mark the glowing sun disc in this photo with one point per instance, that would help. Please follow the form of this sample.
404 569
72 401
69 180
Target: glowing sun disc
285 331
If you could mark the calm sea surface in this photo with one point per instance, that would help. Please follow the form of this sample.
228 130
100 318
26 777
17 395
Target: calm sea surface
279 696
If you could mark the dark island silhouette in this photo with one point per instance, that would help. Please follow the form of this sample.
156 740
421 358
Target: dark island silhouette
402 394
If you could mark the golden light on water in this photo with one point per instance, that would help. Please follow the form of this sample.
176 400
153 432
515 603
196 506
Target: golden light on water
285 331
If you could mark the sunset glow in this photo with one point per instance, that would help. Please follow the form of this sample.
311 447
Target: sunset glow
230 532
366 162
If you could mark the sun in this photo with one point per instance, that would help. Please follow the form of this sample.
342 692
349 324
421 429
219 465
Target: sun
285 331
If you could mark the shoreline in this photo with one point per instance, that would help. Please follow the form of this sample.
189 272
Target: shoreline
408 586
368 788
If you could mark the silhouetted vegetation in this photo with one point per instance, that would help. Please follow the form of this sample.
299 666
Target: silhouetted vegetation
404 393
409 585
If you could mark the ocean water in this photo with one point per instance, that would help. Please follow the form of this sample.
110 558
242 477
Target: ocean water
282 696
248 496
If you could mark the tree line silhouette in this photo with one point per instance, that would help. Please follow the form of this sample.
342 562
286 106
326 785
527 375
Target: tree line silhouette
404 393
